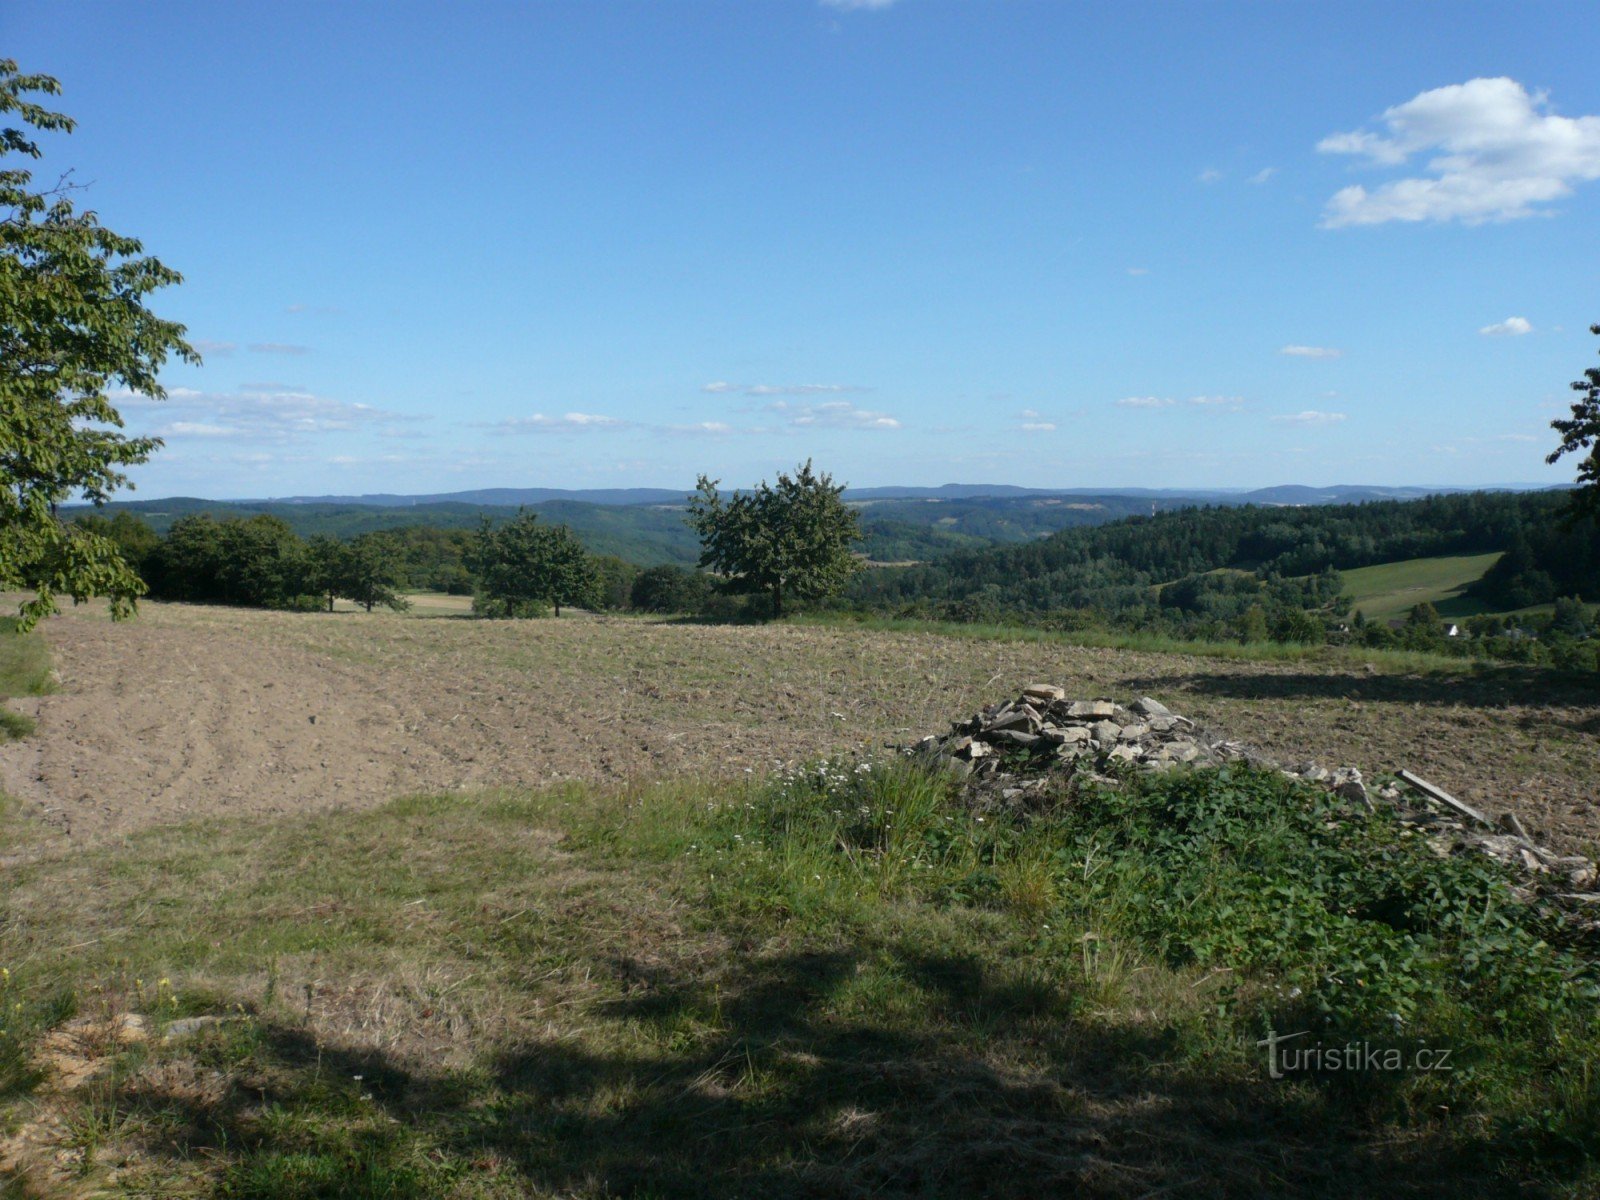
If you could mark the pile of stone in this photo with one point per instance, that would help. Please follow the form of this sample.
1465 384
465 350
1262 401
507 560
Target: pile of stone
1042 727
1017 753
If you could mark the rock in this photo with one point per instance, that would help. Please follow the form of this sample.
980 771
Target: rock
1124 753
1147 707
1132 733
1107 732
1014 737
1060 737
1091 708
1022 718
1045 693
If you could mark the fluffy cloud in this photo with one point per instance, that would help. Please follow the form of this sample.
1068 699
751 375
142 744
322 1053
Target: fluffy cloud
857 5
1311 417
214 349
1209 175
1263 175
721 387
277 348
1495 152
1146 402
1510 327
1311 352
572 422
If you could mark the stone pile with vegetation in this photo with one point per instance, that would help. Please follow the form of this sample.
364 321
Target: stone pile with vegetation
1041 747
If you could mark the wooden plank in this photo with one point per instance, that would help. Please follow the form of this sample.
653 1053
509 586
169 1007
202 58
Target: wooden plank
1434 792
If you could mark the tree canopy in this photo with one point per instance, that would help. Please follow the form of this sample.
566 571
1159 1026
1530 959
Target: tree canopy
73 323
1580 432
791 541
525 566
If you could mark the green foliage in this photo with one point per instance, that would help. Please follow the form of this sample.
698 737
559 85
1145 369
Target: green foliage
258 562
790 540
614 580
72 323
1304 914
669 589
1581 432
524 567
366 570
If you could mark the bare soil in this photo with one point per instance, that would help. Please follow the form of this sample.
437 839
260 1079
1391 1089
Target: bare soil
201 712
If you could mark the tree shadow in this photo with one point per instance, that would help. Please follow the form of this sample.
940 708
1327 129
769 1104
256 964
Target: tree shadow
1497 688
754 1080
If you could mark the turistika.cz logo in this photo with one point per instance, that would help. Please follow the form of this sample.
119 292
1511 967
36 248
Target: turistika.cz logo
1355 1055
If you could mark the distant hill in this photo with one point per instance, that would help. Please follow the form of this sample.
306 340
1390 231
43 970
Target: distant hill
497 497
1282 494
646 525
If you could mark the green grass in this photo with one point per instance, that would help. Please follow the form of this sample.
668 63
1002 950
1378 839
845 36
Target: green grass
24 671
1391 590
842 982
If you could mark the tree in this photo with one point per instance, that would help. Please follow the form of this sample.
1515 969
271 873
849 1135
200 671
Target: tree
1581 432
72 323
524 567
791 541
365 570
670 589
370 573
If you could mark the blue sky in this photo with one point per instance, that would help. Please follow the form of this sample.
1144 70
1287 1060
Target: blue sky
436 247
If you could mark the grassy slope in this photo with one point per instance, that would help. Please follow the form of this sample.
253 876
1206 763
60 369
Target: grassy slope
1392 589
24 671
840 985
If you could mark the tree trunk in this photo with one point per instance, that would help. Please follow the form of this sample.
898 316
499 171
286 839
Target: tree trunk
558 608
777 599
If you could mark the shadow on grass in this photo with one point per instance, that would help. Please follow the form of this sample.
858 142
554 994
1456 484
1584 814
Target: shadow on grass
754 1084
1489 688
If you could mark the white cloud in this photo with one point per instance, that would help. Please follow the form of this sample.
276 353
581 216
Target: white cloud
835 414
779 389
1218 403
1496 152
1138 270
1510 327
1038 427
1311 352
270 415
572 422
1209 175
858 5
277 348
1145 402
1311 417
1263 175
214 349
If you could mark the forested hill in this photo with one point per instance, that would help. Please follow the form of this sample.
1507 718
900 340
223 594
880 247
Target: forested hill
1114 566
896 529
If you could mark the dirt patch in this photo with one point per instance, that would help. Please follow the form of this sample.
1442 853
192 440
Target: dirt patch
193 711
